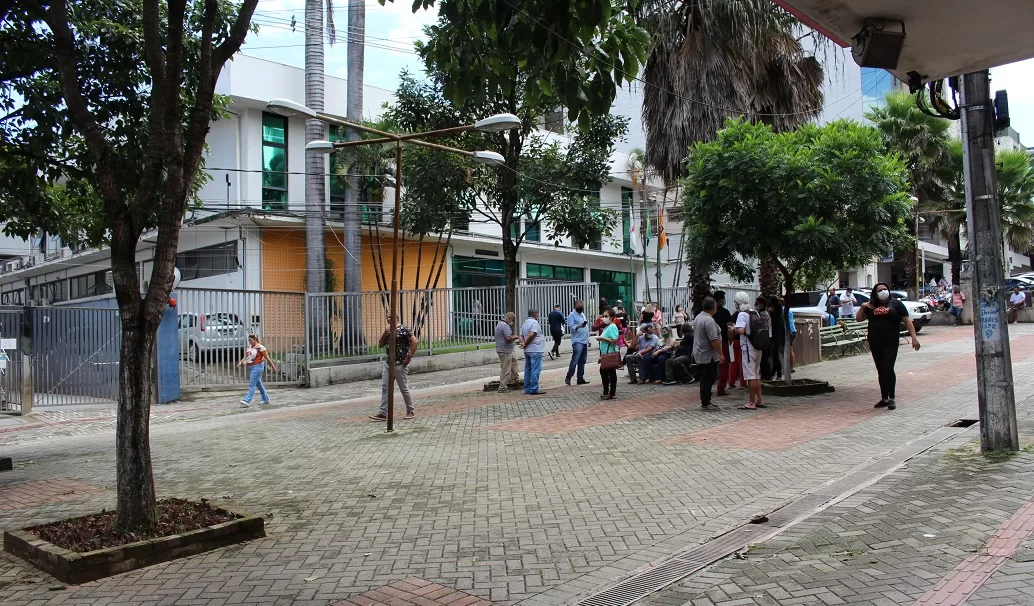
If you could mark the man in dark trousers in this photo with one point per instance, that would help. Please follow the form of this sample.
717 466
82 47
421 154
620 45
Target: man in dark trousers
556 328
723 318
679 367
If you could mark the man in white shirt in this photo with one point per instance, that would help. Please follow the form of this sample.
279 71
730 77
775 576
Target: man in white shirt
749 356
534 344
847 304
1017 301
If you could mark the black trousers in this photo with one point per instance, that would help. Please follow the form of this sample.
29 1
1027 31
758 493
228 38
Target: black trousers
558 336
707 375
777 357
885 354
610 380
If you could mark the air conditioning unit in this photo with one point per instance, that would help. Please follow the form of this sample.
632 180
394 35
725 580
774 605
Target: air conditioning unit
66 252
37 259
108 280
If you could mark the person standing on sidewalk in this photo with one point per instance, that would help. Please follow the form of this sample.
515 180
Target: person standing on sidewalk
885 316
727 369
405 348
847 304
533 344
256 358
578 327
556 329
608 341
504 339
707 350
750 358
958 301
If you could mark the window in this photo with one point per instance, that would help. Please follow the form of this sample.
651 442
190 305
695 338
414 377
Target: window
876 83
471 271
274 162
626 220
537 271
208 261
89 285
614 285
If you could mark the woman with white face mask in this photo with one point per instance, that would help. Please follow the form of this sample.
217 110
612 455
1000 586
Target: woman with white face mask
885 316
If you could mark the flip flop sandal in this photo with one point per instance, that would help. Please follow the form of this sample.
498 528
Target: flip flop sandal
745 407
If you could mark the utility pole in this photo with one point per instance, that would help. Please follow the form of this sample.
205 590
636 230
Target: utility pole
996 400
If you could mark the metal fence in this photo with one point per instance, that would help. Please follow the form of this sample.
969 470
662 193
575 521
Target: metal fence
75 355
10 361
213 327
543 296
349 325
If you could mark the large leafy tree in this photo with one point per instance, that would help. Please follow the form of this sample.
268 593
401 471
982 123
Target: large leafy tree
812 198
712 60
921 141
114 100
526 58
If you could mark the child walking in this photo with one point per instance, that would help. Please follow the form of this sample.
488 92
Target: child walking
256 358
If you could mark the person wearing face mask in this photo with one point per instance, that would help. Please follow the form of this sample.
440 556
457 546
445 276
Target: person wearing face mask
885 316
958 301
578 327
609 344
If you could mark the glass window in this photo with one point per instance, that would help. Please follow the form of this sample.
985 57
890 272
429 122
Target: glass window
274 162
208 261
471 271
614 285
626 220
554 272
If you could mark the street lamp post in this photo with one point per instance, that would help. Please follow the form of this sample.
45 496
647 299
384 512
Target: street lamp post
496 123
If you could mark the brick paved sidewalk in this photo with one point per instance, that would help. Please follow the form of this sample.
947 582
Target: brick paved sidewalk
509 499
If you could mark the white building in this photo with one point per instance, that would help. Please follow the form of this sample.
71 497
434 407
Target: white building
250 233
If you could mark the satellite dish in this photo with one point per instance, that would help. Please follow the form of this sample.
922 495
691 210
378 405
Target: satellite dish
176 277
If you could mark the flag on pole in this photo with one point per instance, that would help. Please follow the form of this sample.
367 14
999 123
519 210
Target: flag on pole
633 237
647 229
662 237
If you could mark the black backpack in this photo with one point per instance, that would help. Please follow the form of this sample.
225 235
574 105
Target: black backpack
760 335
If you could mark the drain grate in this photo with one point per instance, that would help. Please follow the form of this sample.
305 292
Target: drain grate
640 586
963 423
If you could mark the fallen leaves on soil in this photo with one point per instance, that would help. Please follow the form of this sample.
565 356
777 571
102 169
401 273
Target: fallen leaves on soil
98 531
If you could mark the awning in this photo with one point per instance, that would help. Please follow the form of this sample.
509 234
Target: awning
943 37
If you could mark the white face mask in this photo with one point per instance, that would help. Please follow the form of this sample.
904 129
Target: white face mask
883 295
606 320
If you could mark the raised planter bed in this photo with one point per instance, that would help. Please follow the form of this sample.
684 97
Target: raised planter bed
74 567
799 387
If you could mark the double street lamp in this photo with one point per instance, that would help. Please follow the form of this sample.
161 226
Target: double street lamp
496 123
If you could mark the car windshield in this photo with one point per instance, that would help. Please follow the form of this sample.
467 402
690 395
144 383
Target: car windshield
222 319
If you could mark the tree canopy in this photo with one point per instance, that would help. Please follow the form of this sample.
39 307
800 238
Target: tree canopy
814 197
569 54
543 181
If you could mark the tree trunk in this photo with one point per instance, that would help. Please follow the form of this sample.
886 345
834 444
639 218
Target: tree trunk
135 497
700 283
512 269
315 162
352 220
955 255
768 277
910 274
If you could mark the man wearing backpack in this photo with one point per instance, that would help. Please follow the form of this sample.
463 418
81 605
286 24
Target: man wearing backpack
755 335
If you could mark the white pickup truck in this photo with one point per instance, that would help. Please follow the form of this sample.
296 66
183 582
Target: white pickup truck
919 312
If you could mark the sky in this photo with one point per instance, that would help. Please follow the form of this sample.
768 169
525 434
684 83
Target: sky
1018 80
392 29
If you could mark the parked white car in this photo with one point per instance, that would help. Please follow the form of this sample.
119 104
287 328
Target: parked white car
919 312
211 333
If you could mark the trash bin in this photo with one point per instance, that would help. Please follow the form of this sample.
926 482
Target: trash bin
807 347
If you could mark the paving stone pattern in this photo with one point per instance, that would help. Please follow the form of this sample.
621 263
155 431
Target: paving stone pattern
532 515
414 592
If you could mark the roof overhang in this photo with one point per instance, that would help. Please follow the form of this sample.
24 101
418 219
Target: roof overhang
943 37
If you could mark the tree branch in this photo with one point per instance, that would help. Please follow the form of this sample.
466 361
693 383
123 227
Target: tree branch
238 31
56 19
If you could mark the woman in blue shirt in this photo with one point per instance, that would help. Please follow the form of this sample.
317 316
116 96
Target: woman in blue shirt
608 344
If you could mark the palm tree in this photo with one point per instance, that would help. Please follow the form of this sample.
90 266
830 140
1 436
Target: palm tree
921 140
946 214
1015 170
355 57
641 173
712 60
315 162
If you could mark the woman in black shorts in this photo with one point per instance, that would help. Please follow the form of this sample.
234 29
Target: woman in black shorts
885 316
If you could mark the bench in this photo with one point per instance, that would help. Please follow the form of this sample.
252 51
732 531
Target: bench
844 335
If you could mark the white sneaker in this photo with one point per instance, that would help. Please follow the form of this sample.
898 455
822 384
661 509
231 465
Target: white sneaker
245 404
265 402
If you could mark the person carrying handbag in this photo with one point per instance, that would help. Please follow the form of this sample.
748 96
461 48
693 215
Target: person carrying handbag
610 359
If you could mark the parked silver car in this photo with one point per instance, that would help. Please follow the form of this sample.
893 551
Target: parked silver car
205 334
